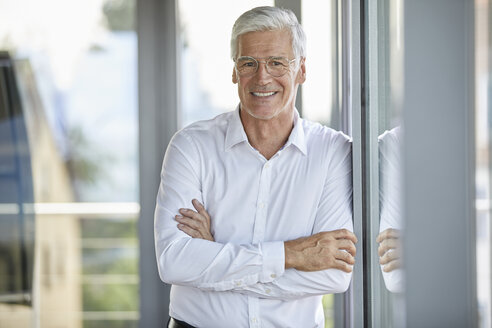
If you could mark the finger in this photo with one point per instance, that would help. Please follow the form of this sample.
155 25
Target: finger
389 256
388 233
345 234
201 209
191 214
192 223
342 265
189 231
388 244
345 257
393 265
197 205
347 245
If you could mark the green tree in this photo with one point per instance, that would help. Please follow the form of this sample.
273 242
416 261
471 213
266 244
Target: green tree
120 14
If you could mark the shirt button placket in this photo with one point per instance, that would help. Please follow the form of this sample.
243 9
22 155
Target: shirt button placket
253 308
259 234
262 204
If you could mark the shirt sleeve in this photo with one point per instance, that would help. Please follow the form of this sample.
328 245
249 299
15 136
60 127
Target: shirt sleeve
207 265
334 212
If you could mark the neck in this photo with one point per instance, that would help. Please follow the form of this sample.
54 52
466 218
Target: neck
268 136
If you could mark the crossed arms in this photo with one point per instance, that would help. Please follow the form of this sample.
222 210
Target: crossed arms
187 253
321 251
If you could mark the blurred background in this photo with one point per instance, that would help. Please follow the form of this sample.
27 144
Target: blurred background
68 164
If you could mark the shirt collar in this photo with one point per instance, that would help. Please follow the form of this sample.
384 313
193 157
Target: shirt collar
236 134
235 131
297 137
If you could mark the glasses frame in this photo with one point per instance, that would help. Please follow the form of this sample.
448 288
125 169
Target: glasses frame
265 61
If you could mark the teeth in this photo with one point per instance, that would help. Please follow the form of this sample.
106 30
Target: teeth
263 94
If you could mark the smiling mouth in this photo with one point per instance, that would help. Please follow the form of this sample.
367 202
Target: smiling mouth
263 94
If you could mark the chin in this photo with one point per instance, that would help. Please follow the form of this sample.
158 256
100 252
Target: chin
265 112
263 115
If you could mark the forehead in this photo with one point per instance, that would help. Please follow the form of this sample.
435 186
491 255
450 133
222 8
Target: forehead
262 44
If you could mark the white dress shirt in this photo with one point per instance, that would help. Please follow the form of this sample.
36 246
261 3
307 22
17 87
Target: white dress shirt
255 205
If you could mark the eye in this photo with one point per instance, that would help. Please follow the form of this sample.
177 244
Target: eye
243 63
278 62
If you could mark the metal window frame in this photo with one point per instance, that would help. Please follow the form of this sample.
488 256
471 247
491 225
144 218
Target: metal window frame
368 177
356 104
158 80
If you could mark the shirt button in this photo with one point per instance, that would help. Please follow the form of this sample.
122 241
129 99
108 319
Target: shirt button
262 204
267 165
238 283
268 291
273 275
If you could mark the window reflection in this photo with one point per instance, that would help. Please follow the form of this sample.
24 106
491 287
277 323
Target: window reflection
16 193
391 222
390 140
68 165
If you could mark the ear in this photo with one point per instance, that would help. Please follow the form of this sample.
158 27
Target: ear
301 73
234 76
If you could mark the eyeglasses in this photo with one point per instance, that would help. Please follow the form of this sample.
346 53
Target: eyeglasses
275 66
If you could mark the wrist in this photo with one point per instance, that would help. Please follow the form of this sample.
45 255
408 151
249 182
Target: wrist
290 255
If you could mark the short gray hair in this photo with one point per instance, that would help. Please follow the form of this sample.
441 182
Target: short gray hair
267 19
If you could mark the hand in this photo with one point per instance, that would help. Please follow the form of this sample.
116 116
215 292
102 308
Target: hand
389 250
321 251
195 224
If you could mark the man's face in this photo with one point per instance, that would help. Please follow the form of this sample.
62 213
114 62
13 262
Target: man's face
262 95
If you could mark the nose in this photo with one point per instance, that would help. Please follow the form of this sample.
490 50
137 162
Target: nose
262 73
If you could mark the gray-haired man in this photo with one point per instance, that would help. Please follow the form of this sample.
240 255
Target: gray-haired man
274 232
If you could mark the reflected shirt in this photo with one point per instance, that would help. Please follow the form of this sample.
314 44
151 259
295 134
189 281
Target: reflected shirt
255 205
390 185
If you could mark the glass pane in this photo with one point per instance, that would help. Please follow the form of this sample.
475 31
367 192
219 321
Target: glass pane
386 91
319 20
318 92
206 65
68 164
483 93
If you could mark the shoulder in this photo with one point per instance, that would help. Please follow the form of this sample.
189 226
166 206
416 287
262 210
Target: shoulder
203 133
322 137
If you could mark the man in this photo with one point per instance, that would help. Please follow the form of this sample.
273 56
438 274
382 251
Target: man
270 231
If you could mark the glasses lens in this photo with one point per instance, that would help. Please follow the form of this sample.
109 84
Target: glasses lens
246 65
277 66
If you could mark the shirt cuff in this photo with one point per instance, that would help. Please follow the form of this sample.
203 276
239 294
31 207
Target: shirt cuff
273 261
